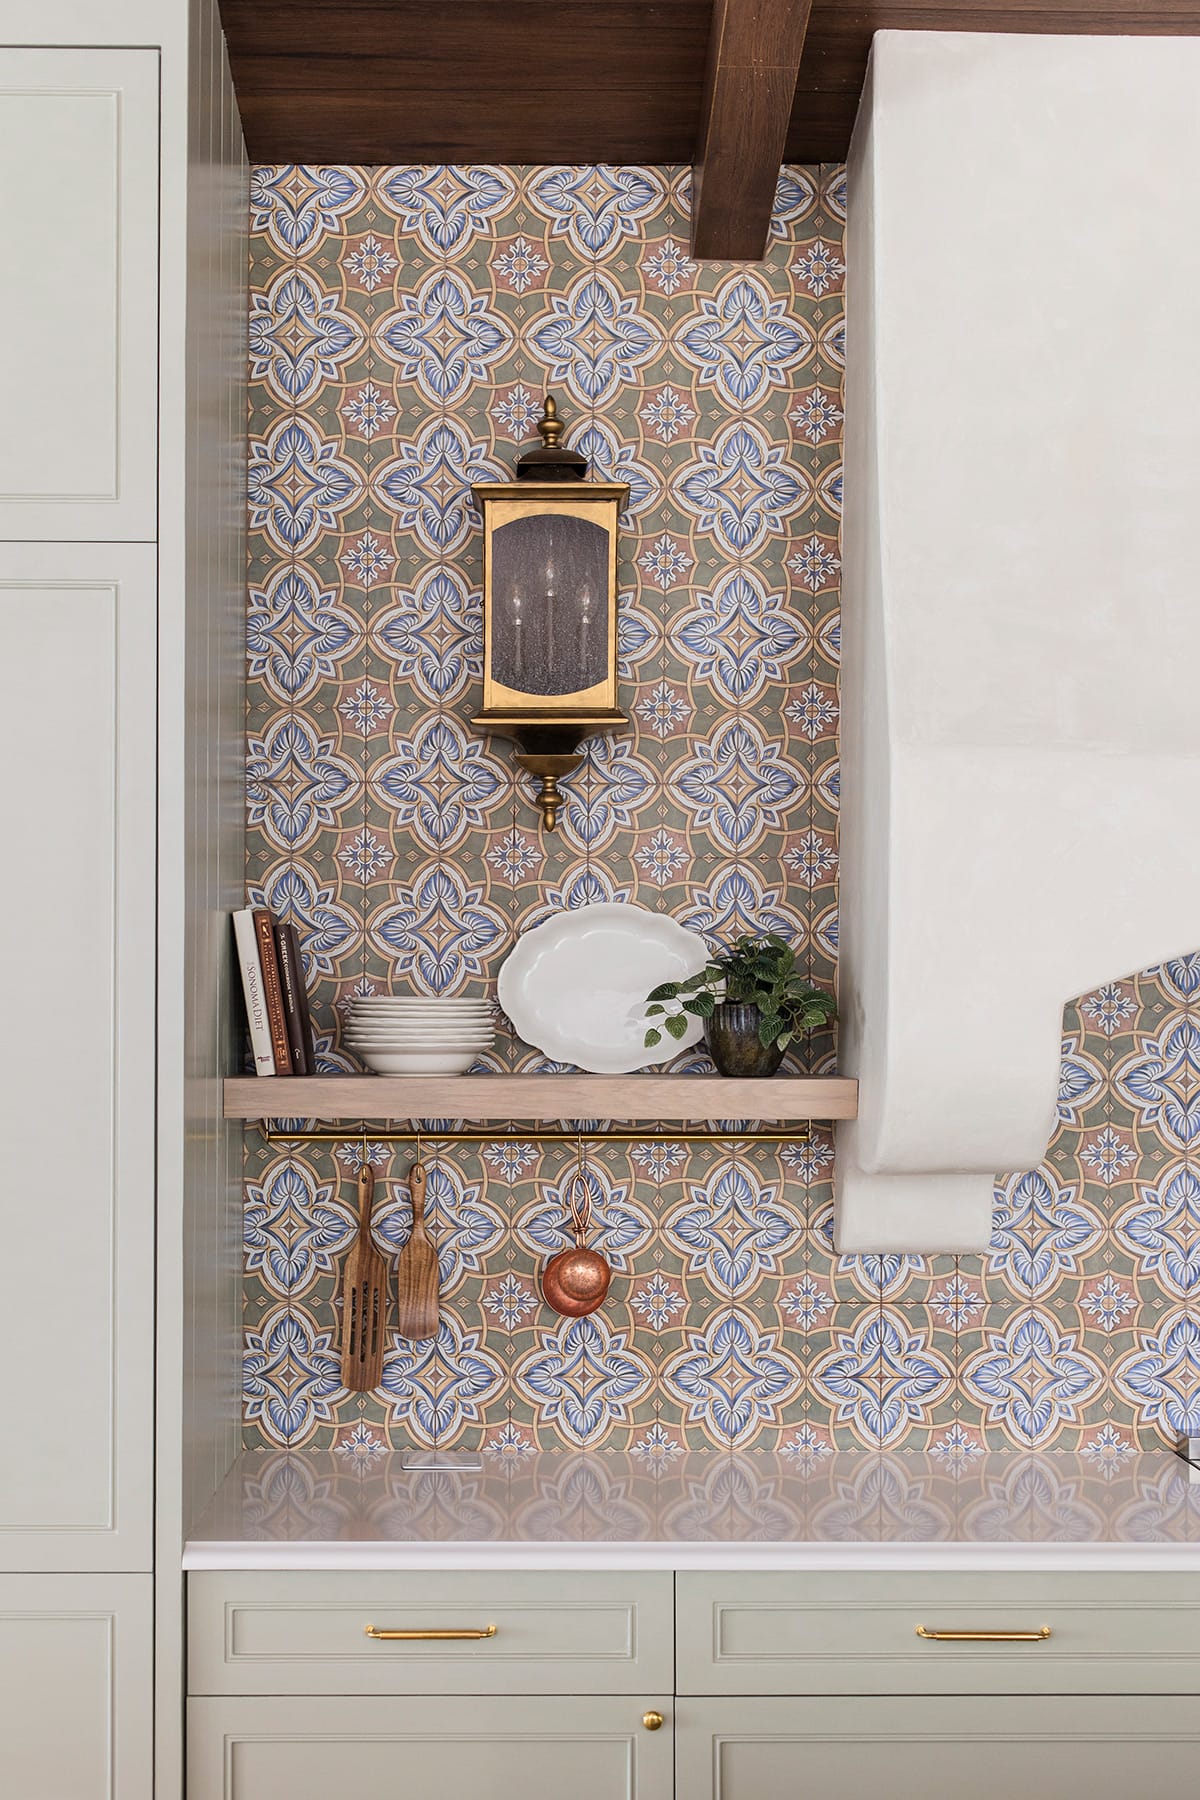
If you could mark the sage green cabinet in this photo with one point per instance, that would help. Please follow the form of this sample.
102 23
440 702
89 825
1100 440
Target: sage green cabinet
855 1632
789 1684
88 121
428 1749
79 621
77 1655
523 1632
1039 1746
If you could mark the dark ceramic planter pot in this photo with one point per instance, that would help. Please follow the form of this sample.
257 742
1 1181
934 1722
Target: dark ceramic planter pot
733 1042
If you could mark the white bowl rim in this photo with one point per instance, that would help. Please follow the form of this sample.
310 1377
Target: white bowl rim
420 1041
436 1065
484 1027
414 1046
412 1013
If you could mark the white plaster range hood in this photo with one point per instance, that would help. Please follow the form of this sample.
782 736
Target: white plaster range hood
1021 711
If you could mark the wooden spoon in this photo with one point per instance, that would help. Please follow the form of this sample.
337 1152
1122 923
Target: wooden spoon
417 1270
364 1299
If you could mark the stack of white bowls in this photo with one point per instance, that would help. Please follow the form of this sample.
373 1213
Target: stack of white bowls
418 1034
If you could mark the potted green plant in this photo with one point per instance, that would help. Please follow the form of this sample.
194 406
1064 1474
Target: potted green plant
753 1001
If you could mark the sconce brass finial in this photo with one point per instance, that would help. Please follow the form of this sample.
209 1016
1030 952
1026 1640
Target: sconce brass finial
551 461
547 767
550 426
549 800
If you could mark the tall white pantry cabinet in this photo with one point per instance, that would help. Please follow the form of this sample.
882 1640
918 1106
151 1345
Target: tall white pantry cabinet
123 208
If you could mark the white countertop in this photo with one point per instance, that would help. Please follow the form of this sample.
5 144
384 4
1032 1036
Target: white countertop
324 1510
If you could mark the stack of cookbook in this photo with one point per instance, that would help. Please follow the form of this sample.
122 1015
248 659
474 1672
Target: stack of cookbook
276 999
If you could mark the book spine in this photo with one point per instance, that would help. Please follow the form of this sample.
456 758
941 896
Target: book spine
306 1030
285 951
246 942
264 929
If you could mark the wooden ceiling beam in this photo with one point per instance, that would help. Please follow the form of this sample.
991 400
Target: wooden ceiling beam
753 62
457 125
505 81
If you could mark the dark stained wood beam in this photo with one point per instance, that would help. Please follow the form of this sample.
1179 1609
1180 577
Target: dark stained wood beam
468 81
753 61
540 81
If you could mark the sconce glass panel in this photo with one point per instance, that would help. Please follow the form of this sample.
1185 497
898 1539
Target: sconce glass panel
550 604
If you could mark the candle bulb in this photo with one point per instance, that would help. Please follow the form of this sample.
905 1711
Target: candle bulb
585 619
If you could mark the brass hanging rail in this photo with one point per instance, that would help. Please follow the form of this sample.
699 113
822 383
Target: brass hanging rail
677 1134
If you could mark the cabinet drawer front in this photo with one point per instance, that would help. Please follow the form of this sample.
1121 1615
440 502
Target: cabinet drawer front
856 1633
306 1633
912 1749
257 1749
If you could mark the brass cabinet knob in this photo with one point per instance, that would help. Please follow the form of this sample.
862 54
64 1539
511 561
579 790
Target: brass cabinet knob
653 1721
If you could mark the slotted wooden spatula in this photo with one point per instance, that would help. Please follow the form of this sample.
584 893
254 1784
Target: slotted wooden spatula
417 1270
364 1299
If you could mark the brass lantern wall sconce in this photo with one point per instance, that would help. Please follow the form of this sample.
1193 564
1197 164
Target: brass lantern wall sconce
550 609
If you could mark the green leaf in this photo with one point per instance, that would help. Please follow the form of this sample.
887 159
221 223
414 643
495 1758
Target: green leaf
704 1005
653 1011
769 1027
762 972
651 1038
677 1026
666 990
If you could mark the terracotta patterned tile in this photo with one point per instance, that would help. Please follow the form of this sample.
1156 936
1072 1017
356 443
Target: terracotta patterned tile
988 1394
918 1373
843 1389
408 322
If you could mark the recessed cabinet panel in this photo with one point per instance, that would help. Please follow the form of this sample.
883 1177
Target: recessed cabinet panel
77 822
582 1749
855 1632
78 309
75 1693
909 1749
305 1633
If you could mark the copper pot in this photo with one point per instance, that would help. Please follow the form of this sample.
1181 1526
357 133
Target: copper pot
575 1281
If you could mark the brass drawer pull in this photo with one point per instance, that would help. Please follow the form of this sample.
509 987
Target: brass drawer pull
985 1637
430 1637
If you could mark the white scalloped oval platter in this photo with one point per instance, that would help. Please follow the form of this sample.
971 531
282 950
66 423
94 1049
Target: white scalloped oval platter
575 987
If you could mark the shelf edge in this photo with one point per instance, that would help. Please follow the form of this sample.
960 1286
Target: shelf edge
666 1100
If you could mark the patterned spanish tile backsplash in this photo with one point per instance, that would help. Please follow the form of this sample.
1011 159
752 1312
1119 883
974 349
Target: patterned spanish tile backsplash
405 325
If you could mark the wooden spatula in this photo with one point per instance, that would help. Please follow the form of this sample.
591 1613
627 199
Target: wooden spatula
364 1299
417 1270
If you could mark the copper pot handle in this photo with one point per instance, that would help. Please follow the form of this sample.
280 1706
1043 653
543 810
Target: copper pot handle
581 1215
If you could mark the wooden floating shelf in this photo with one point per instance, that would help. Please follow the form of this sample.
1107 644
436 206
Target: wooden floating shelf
634 1099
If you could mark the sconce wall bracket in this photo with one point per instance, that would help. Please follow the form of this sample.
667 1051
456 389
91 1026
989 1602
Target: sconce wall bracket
549 750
